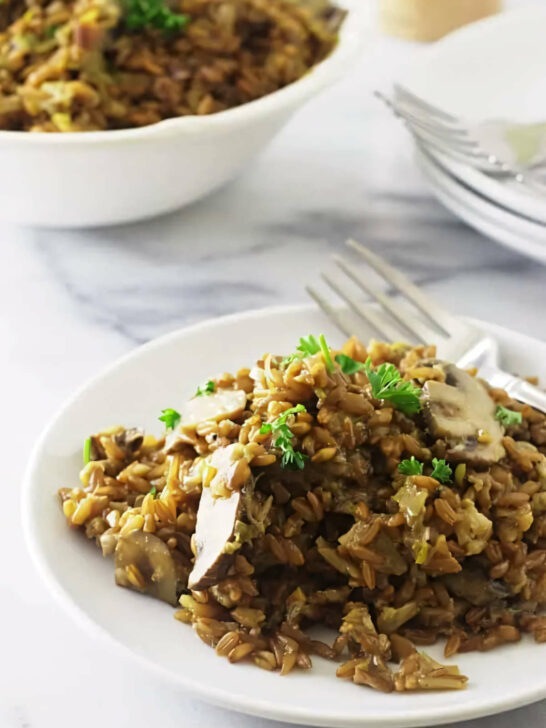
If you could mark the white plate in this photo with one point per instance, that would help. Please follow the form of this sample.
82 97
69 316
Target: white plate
506 192
133 391
492 69
521 234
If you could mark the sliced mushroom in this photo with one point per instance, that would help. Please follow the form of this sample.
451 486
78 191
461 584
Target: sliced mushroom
462 412
143 562
223 404
232 469
180 442
475 586
214 531
131 439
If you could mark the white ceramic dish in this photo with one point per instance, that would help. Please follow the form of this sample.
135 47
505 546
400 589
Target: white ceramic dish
99 178
164 375
521 234
505 192
492 69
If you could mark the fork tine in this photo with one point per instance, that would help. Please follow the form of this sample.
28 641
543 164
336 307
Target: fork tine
381 326
422 104
475 159
486 162
459 149
330 312
447 134
424 121
432 310
413 326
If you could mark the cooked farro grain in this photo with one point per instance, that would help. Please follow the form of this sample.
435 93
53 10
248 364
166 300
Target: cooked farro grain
82 65
307 497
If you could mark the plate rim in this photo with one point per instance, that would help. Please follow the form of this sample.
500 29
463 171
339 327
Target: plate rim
520 241
216 695
510 199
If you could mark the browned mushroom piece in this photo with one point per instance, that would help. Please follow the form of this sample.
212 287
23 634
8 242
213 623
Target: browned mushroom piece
461 412
143 562
218 517
130 440
223 404
231 469
475 586
214 531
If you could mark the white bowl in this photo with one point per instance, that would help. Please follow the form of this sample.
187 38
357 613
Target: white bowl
163 375
88 179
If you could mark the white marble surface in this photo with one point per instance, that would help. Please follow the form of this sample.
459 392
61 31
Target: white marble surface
70 302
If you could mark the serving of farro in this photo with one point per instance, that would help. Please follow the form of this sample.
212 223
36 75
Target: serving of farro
87 65
375 491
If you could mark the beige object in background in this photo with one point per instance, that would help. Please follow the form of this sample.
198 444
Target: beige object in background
428 20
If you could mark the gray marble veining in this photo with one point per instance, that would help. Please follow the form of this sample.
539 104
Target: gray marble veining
218 257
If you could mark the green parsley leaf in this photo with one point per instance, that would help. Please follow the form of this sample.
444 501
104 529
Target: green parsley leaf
141 14
326 354
387 384
348 365
153 491
281 420
308 346
283 440
50 31
209 388
288 360
442 471
293 460
170 417
508 417
411 467
86 450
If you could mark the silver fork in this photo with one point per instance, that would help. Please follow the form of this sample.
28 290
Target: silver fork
476 145
456 340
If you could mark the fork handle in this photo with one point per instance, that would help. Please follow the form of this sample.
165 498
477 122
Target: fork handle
517 388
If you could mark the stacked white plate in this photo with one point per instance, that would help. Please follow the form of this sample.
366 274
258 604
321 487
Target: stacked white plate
493 69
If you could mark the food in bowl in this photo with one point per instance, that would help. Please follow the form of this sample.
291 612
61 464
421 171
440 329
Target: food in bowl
111 64
376 491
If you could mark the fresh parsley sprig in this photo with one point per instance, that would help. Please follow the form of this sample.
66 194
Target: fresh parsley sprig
283 438
209 388
308 346
348 365
142 14
170 417
50 31
326 354
442 471
387 384
508 417
86 450
411 467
